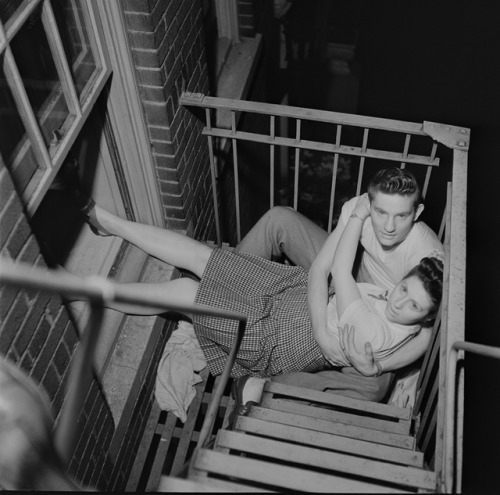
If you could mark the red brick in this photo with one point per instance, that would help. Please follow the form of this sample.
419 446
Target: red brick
51 382
159 133
155 113
7 298
61 359
6 188
9 218
19 238
12 322
138 5
146 59
150 76
162 147
137 21
30 251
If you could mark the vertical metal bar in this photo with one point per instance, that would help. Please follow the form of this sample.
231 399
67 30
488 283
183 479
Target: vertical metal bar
362 162
297 165
80 377
451 483
213 407
271 158
213 176
405 150
332 191
454 297
442 227
426 181
236 178
429 170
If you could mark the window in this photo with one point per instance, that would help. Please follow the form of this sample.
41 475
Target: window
53 71
59 107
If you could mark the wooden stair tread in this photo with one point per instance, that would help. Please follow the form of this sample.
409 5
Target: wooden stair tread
172 484
318 424
315 458
401 427
263 473
375 408
330 441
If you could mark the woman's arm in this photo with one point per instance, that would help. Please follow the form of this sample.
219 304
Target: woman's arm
320 270
346 289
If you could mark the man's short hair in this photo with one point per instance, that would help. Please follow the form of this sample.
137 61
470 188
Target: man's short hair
395 181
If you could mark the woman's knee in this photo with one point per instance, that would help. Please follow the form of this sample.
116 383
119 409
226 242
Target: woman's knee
185 288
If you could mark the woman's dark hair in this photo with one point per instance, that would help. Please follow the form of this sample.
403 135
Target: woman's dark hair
430 272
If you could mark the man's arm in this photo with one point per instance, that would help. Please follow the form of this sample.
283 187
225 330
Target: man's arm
365 363
408 353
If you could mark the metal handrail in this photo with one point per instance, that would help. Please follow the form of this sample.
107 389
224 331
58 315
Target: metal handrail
448 482
100 291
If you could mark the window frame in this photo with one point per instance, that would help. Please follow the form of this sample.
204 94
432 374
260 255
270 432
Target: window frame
50 159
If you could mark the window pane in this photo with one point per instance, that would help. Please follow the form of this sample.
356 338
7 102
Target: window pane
36 66
76 39
15 146
7 8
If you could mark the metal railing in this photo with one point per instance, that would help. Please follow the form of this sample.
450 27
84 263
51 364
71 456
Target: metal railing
380 143
100 291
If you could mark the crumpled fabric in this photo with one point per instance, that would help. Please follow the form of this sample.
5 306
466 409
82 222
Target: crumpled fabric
405 391
178 371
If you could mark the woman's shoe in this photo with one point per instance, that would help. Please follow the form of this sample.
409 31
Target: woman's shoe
88 212
239 408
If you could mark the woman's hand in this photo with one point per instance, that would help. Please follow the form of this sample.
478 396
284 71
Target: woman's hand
362 208
364 362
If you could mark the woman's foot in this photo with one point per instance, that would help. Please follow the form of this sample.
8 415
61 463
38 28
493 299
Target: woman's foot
90 216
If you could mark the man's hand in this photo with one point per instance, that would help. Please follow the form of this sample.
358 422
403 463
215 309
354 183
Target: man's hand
364 362
362 208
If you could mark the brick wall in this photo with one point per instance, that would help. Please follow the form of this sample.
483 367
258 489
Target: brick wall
37 333
168 50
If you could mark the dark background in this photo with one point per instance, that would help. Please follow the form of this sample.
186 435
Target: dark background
439 61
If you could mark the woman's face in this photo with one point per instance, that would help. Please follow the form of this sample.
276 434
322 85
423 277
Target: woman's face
408 303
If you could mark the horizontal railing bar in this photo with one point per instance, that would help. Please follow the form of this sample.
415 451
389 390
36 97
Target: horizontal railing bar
95 288
317 146
200 100
481 349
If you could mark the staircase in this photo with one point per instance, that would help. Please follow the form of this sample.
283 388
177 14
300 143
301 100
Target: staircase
304 440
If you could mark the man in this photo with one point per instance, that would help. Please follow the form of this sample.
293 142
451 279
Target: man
392 242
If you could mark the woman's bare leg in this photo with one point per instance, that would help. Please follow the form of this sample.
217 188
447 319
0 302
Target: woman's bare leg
166 245
180 291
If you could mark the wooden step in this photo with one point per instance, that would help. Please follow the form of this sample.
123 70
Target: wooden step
314 458
330 441
318 424
401 427
261 474
171 484
344 403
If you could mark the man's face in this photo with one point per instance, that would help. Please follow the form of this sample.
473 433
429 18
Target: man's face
392 218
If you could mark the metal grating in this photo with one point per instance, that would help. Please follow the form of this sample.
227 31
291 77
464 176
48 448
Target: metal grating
168 444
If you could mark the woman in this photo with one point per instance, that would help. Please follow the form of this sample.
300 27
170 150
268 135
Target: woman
279 337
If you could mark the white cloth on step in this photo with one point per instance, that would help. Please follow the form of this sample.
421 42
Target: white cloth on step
405 390
178 370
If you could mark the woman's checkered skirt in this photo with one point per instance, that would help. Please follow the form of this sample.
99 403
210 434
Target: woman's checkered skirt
278 337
